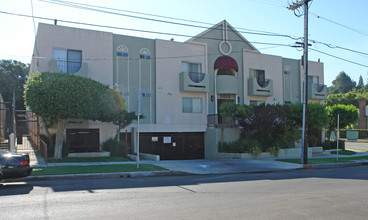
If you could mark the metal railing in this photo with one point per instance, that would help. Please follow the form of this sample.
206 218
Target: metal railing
263 83
318 87
69 66
196 77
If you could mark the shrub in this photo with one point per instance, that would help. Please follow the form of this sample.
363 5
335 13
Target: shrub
116 148
328 145
256 151
239 146
274 151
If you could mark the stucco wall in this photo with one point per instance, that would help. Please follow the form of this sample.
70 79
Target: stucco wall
292 80
169 58
96 47
272 65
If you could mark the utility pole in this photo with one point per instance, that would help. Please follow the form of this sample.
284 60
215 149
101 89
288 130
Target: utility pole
294 7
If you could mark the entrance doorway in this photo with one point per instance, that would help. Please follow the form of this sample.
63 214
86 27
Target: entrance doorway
222 99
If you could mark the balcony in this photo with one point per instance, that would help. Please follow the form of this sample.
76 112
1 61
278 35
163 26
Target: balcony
226 84
77 68
317 91
193 82
261 89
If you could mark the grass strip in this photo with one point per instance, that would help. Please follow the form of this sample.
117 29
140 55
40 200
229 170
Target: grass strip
326 160
93 169
87 159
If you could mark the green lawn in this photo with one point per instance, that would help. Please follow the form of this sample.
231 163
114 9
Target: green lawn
87 159
326 160
94 169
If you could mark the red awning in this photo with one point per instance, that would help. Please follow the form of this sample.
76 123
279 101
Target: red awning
226 62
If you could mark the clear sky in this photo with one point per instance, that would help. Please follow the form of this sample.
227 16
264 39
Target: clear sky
341 23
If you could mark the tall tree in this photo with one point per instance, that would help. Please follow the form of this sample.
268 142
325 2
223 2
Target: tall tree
60 96
13 76
342 84
360 82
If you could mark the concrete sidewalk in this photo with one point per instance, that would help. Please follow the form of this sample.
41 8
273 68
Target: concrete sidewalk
220 166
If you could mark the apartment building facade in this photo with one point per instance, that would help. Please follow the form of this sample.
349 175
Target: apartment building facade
181 84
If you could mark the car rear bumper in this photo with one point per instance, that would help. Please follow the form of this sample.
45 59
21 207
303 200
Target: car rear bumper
16 172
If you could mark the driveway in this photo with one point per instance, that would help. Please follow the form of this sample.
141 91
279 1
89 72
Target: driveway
357 146
224 166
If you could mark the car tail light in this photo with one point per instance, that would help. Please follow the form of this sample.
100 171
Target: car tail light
24 163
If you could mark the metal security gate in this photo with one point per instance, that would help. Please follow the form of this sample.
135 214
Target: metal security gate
173 146
28 132
6 126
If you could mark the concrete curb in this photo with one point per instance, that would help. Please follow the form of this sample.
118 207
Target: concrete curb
175 173
103 175
333 165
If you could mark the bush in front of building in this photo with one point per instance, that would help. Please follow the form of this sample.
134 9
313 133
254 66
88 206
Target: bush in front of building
331 145
116 148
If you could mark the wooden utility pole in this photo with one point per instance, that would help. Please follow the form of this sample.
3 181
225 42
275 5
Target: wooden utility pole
294 7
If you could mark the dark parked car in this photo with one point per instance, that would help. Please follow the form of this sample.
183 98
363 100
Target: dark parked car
14 165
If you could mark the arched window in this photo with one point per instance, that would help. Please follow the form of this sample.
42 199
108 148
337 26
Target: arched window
226 65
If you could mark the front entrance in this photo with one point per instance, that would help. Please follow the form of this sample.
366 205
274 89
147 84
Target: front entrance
222 99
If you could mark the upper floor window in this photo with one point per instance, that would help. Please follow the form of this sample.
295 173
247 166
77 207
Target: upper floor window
194 70
226 71
313 79
192 105
68 61
260 75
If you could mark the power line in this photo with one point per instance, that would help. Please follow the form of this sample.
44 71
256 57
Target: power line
129 29
183 35
99 9
339 58
338 47
341 25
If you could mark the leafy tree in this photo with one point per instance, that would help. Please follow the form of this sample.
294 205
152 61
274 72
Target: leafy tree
350 98
13 76
342 84
360 82
123 119
56 97
317 119
348 116
268 125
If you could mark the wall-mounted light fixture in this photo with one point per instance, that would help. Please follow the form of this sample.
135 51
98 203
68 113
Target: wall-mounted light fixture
212 98
238 99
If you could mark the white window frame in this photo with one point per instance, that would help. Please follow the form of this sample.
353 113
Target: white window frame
196 105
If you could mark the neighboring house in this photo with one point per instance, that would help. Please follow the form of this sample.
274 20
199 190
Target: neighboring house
182 85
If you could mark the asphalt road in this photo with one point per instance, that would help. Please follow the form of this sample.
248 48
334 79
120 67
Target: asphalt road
339 193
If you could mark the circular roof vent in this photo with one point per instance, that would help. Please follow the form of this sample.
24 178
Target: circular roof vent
226 62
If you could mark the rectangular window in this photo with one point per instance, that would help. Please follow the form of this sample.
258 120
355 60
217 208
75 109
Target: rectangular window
68 61
194 70
191 67
260 75
192 105
313 79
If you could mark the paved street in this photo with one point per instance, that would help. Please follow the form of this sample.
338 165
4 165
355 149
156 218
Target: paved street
339 193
